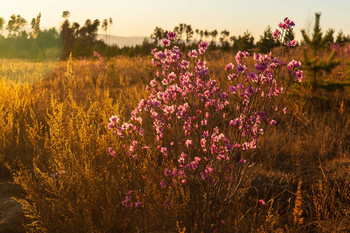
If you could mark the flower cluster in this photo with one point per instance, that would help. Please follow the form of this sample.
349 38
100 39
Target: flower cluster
100 59
291 43
287 24
203 134
128 202
344 50
185 107
293 70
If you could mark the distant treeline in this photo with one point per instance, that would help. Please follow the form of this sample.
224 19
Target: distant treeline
81 40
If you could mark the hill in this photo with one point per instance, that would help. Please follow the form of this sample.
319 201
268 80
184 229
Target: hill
122 41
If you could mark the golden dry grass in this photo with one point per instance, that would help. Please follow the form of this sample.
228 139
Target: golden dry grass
53 136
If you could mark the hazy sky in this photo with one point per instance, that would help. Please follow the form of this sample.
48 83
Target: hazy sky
140 17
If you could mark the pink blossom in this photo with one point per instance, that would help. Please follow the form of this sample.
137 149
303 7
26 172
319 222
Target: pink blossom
113 122
241 69
203 142
292 43
242 161
163 150
114 119
233 89
166 42
167 172
165 82
171 35
197 159
192 53
209 169
288 22
111 151
293 64
162 184
184 64
138 204
299 75
245 146
232 76
203 45
172 77
229 67
153 82
261 202
203 175
285 110
124 203
188 142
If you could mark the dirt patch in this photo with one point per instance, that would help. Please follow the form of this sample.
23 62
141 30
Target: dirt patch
11 215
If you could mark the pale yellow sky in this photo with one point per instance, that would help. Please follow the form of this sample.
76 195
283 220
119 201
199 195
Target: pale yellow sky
140 17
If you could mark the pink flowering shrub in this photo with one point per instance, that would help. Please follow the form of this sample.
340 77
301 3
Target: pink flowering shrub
100 60
189 144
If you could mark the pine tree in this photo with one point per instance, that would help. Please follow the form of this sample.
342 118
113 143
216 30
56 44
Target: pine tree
267 41
243 43
316 43
290 35
341 39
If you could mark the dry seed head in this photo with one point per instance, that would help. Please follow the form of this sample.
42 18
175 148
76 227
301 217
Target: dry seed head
69 72
298 207
36 28
179 230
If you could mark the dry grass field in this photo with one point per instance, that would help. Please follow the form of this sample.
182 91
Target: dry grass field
54 143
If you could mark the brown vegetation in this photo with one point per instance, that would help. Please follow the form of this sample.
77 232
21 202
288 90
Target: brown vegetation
53 137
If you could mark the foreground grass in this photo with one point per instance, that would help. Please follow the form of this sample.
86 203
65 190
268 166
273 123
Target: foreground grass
55 141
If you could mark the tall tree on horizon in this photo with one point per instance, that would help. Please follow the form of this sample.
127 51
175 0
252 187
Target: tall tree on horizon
66 35
201 33
35 32
214 35
224 39
15 25
104 27
2 23
197 32
109 27
157 35
206 34
189 33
